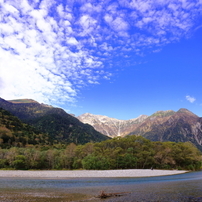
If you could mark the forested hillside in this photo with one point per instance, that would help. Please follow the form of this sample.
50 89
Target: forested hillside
14 132
59 125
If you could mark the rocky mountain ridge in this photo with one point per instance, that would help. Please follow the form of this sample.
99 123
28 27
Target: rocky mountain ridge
180 126
110 126
115 127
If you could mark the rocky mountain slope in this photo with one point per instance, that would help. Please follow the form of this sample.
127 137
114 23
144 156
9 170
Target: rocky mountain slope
55 122
180 126
110 126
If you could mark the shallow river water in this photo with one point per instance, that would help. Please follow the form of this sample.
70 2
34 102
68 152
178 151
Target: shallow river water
176 188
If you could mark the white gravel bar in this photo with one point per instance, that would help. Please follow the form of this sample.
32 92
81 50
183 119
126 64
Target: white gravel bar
88 173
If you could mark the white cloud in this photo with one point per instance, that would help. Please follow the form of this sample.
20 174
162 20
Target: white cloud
120 24
108 18
190 98
49 50
88 24
6 29
72 41
10 8
87 8
60 10
36 62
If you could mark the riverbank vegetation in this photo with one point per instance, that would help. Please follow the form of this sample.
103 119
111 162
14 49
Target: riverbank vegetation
133 152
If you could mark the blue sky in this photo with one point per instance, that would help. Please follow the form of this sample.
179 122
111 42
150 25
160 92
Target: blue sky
115 58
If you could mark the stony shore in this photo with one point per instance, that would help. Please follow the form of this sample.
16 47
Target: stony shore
88 173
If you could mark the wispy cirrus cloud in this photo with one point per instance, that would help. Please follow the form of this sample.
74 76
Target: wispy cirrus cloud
190 99
50 49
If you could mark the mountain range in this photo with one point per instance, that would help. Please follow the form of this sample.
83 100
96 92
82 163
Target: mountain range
180 126
55 122
57 126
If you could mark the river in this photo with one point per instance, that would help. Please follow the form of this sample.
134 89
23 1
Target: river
176 188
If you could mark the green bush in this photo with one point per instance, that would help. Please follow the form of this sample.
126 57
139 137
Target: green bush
20 162
3 163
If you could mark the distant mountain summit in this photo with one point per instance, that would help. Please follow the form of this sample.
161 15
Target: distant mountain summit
163 113
18 101
110 126
59 125
180 126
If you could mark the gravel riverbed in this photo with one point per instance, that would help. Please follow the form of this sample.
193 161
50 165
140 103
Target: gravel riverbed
88 173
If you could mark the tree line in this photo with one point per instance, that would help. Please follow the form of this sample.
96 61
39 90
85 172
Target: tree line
132 152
